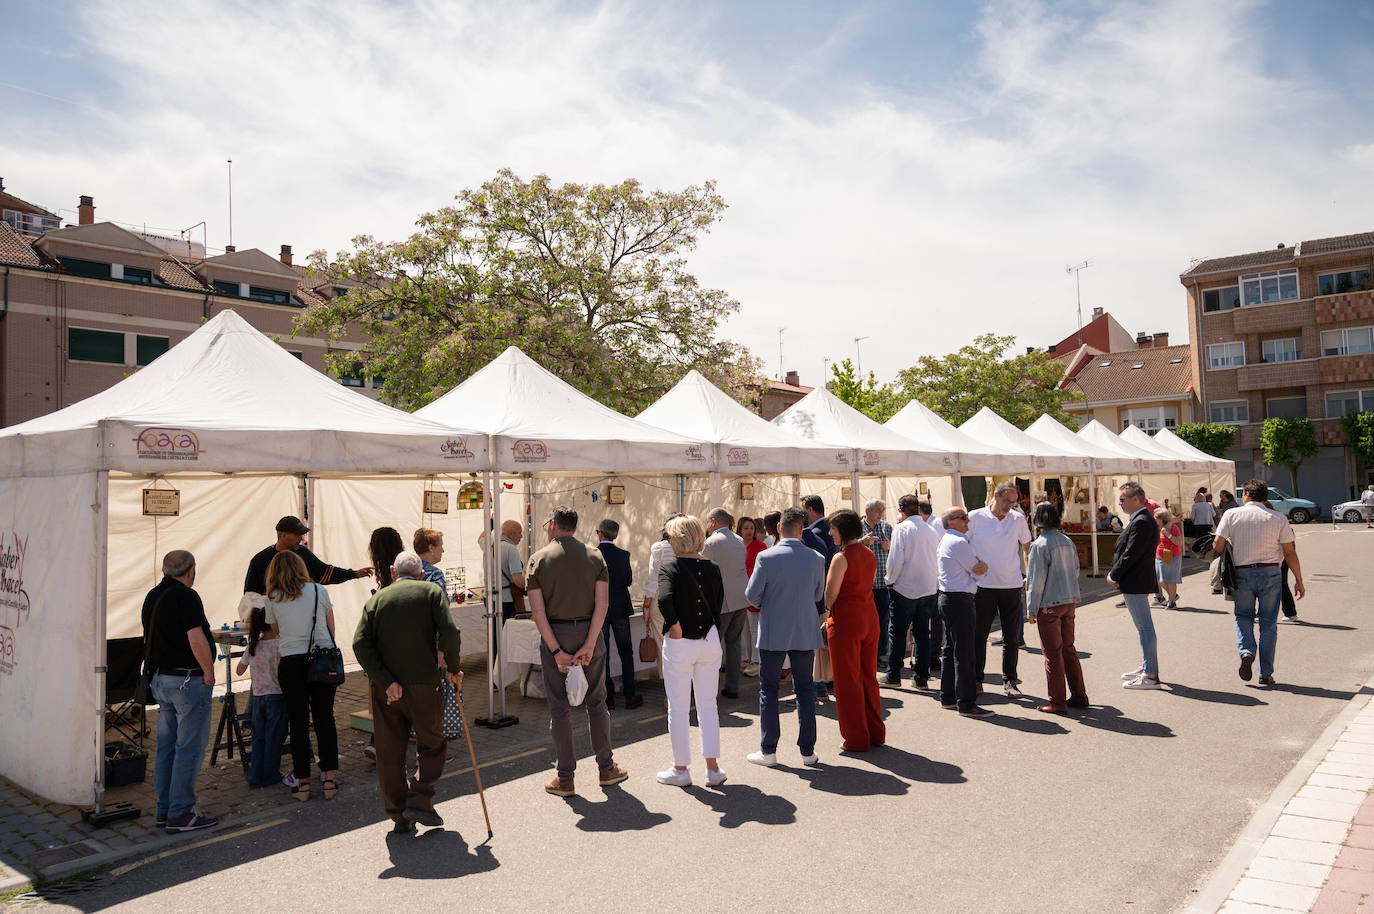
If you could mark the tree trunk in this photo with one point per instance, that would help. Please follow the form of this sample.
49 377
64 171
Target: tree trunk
1293 475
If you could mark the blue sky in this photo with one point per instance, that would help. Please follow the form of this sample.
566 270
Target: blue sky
913 172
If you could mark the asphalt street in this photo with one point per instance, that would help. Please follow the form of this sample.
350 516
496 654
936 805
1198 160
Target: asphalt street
1125 807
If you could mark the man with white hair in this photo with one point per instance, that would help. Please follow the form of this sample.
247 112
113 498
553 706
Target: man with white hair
394 643
999 535
878 538
726 549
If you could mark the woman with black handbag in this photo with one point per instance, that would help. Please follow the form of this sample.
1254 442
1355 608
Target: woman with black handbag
311 667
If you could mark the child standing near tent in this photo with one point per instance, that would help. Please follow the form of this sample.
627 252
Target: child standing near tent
269 709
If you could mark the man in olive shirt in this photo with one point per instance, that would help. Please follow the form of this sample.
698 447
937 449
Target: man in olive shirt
394 643
569 591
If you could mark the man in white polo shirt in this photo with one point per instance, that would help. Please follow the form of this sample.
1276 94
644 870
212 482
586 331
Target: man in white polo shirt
912 572
999 533
1261 541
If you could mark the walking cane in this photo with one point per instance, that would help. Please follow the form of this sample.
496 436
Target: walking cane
473 754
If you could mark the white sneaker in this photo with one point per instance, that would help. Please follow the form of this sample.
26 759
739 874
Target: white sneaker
1141 682
714 778
766 759
751 669
811 761
1133 674
675 777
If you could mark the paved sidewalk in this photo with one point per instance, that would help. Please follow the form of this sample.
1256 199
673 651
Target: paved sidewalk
1311 847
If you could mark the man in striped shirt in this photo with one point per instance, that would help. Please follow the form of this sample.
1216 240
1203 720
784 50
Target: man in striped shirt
1261 540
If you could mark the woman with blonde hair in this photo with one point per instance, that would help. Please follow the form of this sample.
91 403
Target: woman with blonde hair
301 614
690 594
1168 558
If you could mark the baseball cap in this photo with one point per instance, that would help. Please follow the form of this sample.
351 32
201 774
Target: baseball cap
292 524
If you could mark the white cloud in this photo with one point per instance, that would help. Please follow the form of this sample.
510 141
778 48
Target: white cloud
1140 138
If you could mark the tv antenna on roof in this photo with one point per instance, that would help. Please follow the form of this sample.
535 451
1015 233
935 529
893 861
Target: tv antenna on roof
1078 291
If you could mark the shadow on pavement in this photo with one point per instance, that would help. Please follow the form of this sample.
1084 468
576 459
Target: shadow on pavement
1106 717
739 804
620 811
1199 609
1312 691
909 765
435 854
1223 698
1025 724
1326 625
846 781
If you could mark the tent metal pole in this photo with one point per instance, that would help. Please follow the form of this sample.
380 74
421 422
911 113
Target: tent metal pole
1180 491
854 490
489 598
956 495
1092 519
102 562
494 559
796 491
681 492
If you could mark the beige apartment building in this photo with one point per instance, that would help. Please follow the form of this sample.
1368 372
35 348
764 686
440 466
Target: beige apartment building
1288 332
82 306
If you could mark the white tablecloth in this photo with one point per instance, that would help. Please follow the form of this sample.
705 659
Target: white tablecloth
522 648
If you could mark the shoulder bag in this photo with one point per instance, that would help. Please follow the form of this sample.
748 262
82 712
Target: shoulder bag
517 593
323 664
143 691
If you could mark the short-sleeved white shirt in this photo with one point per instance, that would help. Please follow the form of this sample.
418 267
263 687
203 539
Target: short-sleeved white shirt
998 543
1256 534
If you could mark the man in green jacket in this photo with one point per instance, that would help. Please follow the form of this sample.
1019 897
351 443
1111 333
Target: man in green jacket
394 643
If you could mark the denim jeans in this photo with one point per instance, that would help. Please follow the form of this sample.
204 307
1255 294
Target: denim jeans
910 615
1258 592
1138 605
269 732
884 598
770 670
183 729
620 627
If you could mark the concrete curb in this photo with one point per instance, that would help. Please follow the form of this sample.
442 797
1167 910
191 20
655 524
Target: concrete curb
17 878
1217 889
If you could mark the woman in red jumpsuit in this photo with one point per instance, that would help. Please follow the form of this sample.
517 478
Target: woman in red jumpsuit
852 630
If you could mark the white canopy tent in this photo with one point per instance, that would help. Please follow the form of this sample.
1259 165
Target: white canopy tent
234 422
919 423
1099 436
744 444
868 447
1104 460
1043 458
1168 441
1187 473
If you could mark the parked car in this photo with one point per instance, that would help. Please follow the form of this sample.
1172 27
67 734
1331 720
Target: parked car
1351 512
1299 510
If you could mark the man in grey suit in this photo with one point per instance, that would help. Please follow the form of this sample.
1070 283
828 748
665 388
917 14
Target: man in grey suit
788 581
727 550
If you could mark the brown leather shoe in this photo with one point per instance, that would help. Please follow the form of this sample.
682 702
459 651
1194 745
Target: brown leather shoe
613 775
560 787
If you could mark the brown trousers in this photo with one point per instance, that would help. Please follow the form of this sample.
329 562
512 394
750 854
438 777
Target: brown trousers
421 707
1056 625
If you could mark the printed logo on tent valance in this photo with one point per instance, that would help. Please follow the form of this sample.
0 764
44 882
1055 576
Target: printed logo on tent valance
871 459
456 448
696 452
842 458
737 457
530 450
167 444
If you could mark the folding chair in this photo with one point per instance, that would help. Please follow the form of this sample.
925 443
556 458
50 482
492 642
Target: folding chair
123 659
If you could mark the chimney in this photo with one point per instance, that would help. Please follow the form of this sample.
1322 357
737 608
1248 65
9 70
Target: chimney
1142 341
793 378
1097 312
1161 340
2 185
286 254
85 211
1052 349
229 249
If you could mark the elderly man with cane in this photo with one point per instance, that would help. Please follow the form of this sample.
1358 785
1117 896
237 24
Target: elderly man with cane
394 643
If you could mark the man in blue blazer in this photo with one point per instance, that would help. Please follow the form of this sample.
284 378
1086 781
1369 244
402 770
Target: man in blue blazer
618 615
788 581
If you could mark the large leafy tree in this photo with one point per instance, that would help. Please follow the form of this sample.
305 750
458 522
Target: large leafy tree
1209 437
1020 388
877 401
592 282
1287 442
1359 432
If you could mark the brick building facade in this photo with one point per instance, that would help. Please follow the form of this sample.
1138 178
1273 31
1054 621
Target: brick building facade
1288 332
83 306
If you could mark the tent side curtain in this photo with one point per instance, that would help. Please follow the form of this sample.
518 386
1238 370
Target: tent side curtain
47 635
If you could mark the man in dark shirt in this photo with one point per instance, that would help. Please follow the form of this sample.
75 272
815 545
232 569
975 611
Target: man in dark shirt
394 644
177 636
618 614
290 532
816 536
